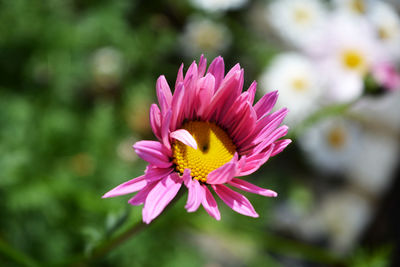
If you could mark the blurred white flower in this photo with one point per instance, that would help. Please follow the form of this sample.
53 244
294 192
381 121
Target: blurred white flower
204 36
297 21
107 65
218 5
346 52
387 26
331 144
297 81
372 169
353 7
345 215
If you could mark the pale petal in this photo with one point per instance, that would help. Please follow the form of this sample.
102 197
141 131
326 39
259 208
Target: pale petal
235 201
155 120
160 196
222 174
246 186
280 145
185 137
153 152
164 94
217 69
195 196
266 103
141 196
128 187
209 204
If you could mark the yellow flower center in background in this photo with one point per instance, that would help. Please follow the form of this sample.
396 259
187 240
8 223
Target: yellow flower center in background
301 15
299 84
214 149
337 137
358 6
354 60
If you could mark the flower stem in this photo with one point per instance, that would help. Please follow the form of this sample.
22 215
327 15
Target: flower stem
108 245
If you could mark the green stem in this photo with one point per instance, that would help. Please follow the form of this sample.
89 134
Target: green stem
108 245
16 256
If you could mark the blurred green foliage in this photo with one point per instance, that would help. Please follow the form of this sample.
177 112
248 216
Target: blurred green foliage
66 128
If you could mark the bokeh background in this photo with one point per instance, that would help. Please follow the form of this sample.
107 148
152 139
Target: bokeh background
77 78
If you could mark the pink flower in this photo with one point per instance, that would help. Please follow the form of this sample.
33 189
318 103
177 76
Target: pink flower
387 76
208 133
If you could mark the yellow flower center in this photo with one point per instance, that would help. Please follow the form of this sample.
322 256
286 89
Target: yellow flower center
299 84
384 33
358 6
214 149
337 137
354 60
301 15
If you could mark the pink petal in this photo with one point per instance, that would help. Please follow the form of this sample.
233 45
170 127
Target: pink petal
252 92
155 120
246 186
205 93
141 196
195 196
185 137
254 162
209 204
179 78
153 152
217 69
160 196
275 135
164 94
128 187
266 103
280 145
166 122
178 105
154 173
202 66
235 201
224 173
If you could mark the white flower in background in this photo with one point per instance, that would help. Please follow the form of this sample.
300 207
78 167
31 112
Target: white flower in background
297 81
345 215
297 21
372 169
346 52
204 36
107 65
331 144
353 7
218 5
387 27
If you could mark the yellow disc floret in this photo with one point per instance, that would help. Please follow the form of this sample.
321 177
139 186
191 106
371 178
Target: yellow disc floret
214 149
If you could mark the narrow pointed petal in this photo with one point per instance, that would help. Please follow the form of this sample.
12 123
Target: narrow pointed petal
266 103
179 78
202 65
178 105
164 94
246 186
155 120
217 69
128 187
160 196
195 196
185 137
254 162
209 204
165 129
252 92
280 145
224 173
153 152
141 196
235 201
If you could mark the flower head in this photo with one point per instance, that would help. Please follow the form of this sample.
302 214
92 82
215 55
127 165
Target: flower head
208 133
